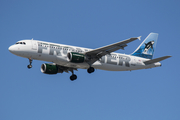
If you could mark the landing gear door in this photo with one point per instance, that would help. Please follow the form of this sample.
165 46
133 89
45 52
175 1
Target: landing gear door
34 44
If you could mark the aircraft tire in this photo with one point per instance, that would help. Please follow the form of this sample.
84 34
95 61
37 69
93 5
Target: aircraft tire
73 77
29 66
90 70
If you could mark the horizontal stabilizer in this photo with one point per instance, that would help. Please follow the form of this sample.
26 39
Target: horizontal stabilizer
156 60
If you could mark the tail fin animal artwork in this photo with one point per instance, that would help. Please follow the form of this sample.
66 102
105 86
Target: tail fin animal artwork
147 47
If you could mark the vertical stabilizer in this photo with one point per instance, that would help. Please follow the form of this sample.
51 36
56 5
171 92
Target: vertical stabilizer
146 48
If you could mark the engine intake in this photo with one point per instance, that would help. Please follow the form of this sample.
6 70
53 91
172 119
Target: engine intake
76 57
49 68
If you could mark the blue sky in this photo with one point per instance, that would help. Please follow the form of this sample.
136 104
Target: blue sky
151 94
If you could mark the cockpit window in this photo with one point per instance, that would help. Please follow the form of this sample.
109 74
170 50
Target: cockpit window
21 43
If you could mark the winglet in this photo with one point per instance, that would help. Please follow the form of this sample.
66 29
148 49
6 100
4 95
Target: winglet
139 37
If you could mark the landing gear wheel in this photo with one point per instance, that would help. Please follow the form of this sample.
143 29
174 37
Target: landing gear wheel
30 62
73 77
90 70
29 66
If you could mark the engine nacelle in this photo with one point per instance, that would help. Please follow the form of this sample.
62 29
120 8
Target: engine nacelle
49 68
76 57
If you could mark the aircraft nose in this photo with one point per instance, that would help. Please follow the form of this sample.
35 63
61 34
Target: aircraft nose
11 49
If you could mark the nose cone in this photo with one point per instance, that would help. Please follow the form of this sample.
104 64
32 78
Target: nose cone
11 49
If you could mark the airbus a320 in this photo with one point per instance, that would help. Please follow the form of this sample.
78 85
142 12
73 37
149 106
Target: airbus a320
66 58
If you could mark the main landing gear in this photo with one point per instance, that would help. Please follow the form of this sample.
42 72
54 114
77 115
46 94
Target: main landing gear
73 76
90 70
30 62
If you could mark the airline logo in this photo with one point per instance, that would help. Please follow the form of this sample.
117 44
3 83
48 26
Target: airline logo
146 49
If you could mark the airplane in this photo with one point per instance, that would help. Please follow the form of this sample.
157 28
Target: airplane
66 58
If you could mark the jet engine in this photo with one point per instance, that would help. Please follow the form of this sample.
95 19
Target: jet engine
49 68
76 57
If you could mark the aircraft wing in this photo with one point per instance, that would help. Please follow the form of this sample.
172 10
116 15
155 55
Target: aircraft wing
96 54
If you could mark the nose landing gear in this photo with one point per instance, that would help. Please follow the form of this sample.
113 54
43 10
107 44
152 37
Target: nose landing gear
30 62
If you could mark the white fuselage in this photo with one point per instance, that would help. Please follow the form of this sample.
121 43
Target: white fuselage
57 53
